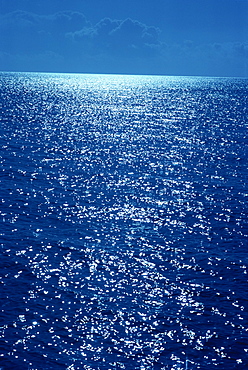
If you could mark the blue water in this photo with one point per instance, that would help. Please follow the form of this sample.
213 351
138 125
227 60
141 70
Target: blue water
123 222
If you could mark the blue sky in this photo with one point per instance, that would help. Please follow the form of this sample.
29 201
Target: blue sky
169 37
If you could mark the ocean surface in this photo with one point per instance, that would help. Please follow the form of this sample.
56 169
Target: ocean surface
124 222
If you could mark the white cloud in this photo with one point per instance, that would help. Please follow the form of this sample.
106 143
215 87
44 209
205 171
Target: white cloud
119 37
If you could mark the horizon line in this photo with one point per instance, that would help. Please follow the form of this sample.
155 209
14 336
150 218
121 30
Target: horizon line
122 74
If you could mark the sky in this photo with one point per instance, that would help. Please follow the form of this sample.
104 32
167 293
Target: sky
161 37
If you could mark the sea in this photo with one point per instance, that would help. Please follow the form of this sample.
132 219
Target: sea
123 222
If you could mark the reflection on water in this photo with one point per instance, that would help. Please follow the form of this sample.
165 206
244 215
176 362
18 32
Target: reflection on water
123 222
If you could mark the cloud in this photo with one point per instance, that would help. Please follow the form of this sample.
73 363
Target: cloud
119 37
241 48
71 34
18 19
62 21
67 21
212 59
26 32
67 41
131 33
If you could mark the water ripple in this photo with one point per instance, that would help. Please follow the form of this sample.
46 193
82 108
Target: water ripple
123 222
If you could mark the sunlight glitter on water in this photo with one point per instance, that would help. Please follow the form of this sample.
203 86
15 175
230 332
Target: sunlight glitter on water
124 222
